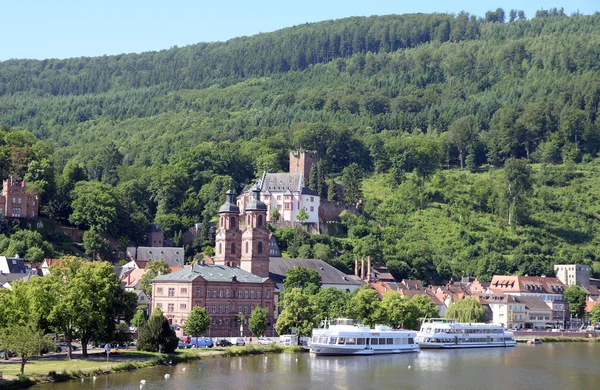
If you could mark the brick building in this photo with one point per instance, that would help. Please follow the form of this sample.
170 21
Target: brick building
235 284
16 202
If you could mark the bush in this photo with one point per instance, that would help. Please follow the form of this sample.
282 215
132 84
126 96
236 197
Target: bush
157 335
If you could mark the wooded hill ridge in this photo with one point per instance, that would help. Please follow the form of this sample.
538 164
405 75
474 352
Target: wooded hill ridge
409 98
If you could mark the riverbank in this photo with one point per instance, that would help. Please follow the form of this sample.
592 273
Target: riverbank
50 369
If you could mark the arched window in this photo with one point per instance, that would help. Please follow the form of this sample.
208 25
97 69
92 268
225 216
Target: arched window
219 248
246 246
232 222
259 221
259 248
248 220
222 223
233 248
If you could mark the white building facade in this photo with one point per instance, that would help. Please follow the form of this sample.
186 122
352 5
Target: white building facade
287 193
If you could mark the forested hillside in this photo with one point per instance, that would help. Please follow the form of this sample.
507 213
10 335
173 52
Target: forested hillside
411 99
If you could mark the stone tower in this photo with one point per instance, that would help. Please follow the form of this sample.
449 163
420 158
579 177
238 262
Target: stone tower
228 241
301 161
255 238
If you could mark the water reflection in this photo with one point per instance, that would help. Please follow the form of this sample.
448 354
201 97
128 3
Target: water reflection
547 366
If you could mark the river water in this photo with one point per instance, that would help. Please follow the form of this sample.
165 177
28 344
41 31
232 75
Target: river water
544 366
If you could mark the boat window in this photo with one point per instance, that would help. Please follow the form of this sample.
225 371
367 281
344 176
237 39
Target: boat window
350 341
341 340
374 341
360 341
411 340
332 340
390 341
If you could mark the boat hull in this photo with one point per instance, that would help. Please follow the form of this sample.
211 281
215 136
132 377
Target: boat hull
465 346
328 350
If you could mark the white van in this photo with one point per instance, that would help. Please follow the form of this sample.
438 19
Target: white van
238 341
288 340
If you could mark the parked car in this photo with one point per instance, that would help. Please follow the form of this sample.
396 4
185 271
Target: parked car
239 341
183 345
63 347
224 343
201 342
265 341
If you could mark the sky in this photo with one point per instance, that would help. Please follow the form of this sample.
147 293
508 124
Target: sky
41 29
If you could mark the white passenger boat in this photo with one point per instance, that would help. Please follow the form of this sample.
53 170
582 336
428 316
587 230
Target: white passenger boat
347 337
447 333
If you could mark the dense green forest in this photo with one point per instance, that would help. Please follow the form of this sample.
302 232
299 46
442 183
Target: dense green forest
475 139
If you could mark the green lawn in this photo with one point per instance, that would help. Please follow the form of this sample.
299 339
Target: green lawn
46 364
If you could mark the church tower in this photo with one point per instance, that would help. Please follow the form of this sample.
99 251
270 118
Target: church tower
255 238
228 242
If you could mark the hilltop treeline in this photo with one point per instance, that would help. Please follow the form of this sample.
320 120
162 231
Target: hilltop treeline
400 95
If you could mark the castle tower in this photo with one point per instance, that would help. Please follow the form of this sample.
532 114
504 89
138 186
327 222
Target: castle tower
255 238
301 161
228 242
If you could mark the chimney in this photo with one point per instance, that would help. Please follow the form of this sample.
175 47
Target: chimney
356 266
362 268
368 269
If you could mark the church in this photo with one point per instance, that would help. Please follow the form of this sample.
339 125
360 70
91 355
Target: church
234 285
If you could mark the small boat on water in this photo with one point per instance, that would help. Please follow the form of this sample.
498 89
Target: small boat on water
444 333
534 341
347 337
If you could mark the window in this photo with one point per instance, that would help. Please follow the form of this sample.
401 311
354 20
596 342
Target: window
182 306
251 294
222 223
287 197
268 294
220 293
16 212
208 308
220 308
215 293
207 292
246 293
220 251
259 221
240 293
260 247
312 198
227 293
233 223
171 292
171 308
197 291
226 308
184 290
233 248
246 246
19 200
239 308
159 291
214 308
258 294
288 206
245 308
159 305
312 209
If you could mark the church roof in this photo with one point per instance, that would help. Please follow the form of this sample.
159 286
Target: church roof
278 266
229 206
256 203
211 273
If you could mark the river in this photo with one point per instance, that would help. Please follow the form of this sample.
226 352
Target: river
544 366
